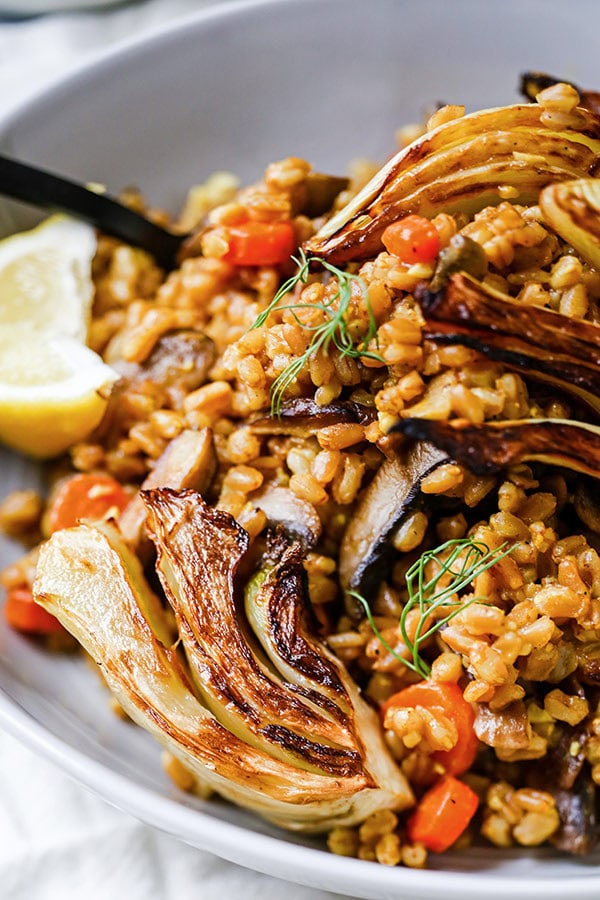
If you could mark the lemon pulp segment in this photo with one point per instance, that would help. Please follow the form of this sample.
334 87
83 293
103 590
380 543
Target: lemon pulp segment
53 389
45 277
52 393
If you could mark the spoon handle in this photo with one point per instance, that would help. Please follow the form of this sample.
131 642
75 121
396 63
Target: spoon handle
38 187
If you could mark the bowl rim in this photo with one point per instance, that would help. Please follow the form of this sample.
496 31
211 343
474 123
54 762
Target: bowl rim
262 852
255 850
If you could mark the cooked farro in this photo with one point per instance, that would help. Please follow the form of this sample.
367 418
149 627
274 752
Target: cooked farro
518 641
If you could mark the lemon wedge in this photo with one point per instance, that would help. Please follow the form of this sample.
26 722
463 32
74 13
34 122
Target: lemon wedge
52 391
45 277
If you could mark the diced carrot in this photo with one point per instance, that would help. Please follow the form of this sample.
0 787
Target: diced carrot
442 814
23 614
412 239
260 243
87 496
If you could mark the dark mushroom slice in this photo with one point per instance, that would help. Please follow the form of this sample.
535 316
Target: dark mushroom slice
488 449
532 83
297 517
304 417
566 758
578 832
547 345
366 549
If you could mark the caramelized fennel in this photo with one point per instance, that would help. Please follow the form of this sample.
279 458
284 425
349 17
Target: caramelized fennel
280 729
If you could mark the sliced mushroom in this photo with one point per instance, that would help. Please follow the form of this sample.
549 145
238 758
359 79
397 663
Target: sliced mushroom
297 517
578 831
507 729
304 417
549 346
366 548
178 364
490 448
458 167
566 758
189 461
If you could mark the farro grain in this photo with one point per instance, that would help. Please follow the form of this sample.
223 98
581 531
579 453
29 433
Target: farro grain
339 437
497 830
347 481
211 399
308 488
567 708
445 478
411 533
378 824
451 528
447 668
445 114
388 849
558 602
414 856
243 478
535 828
558 97
574 301
178 773
343 841
20 513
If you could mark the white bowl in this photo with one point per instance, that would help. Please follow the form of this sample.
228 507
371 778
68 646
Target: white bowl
234 88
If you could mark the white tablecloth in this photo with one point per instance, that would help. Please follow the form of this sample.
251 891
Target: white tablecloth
58 842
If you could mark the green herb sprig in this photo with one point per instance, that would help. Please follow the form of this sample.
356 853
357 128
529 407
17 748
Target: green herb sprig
334 330
466 559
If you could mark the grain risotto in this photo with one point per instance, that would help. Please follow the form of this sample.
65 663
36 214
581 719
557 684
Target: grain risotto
359 592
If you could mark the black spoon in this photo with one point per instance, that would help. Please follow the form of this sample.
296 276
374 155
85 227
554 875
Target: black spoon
36 186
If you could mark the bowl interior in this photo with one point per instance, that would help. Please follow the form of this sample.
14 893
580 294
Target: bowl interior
235 88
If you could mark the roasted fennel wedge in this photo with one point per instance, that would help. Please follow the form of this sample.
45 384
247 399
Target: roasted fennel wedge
91 581
572 209
544 344
487 449
458 168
